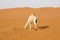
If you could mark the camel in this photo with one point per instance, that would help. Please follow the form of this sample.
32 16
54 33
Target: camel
32 19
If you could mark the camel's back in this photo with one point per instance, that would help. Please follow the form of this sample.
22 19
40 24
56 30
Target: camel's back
32 17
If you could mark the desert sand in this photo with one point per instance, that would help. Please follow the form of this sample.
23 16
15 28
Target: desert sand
12 23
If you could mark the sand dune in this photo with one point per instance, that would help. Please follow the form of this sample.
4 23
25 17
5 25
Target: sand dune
13 20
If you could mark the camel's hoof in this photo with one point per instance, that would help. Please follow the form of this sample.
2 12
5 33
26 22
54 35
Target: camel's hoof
29 29
35 29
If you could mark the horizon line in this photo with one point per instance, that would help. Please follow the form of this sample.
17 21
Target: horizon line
28 7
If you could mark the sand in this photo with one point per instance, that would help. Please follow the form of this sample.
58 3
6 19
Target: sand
12 23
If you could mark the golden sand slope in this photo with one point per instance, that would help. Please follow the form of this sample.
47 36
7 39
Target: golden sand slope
12 22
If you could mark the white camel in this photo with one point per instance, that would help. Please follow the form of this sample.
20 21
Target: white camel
32 18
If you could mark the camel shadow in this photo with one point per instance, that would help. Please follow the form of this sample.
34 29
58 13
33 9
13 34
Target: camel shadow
42 27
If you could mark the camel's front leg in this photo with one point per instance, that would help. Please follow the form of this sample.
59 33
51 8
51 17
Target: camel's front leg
36 24
30 26
26 25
